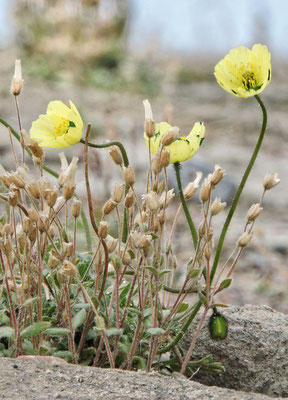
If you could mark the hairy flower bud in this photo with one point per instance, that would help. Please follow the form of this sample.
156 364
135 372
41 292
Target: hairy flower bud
270 181
115 155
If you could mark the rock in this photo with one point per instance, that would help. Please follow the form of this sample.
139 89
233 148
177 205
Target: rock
31 382
254 354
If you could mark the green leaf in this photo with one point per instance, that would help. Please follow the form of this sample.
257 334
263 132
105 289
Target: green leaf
182 307
34 330
57 331
78 319
113 332
131 254
152 269
224 284
203 298
141 363
193 273
165 271
30 301
155 331
7 331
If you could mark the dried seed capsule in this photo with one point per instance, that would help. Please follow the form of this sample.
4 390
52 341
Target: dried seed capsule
156 164
111 245
245 239
13 198
170 136
164 158
191 189
149 127
152 201
129 199
68 191
103 229
166 198
53 262
118 192
76 208
33 189
217 206
69 269
216 176
17 81
33 215
205 190
68 249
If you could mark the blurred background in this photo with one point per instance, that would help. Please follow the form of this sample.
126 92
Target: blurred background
107 56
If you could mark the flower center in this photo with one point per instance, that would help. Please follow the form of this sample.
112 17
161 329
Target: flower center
62 127
249 80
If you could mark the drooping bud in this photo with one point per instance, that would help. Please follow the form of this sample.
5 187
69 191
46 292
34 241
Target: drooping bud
17 81
129 175
170 136
270 181
191 189
253 212
217 206
115 155
245 239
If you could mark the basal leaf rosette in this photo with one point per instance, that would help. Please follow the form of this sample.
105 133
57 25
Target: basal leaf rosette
244 72
60 127
183 147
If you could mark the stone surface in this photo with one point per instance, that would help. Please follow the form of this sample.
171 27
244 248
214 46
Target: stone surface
42 381
254 354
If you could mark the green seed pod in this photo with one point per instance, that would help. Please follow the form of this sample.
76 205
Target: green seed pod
218 326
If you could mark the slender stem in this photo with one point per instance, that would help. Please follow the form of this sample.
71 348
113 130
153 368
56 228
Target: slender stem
182 331
240 189
184 205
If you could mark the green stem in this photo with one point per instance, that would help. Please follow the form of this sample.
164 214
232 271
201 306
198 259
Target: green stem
53 173
184 205
240 188
126 163
180 335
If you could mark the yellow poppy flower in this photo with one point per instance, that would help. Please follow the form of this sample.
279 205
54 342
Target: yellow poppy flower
183 147
61 126
244 72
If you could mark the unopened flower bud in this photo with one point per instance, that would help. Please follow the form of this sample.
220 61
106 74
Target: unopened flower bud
191 189
118 192
217 206
111 245
245 239
115 155
103 229
109 206
129 175
69 269
270 181
76 208
205 190
170 136
17 81
129 199
216 176
253 212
